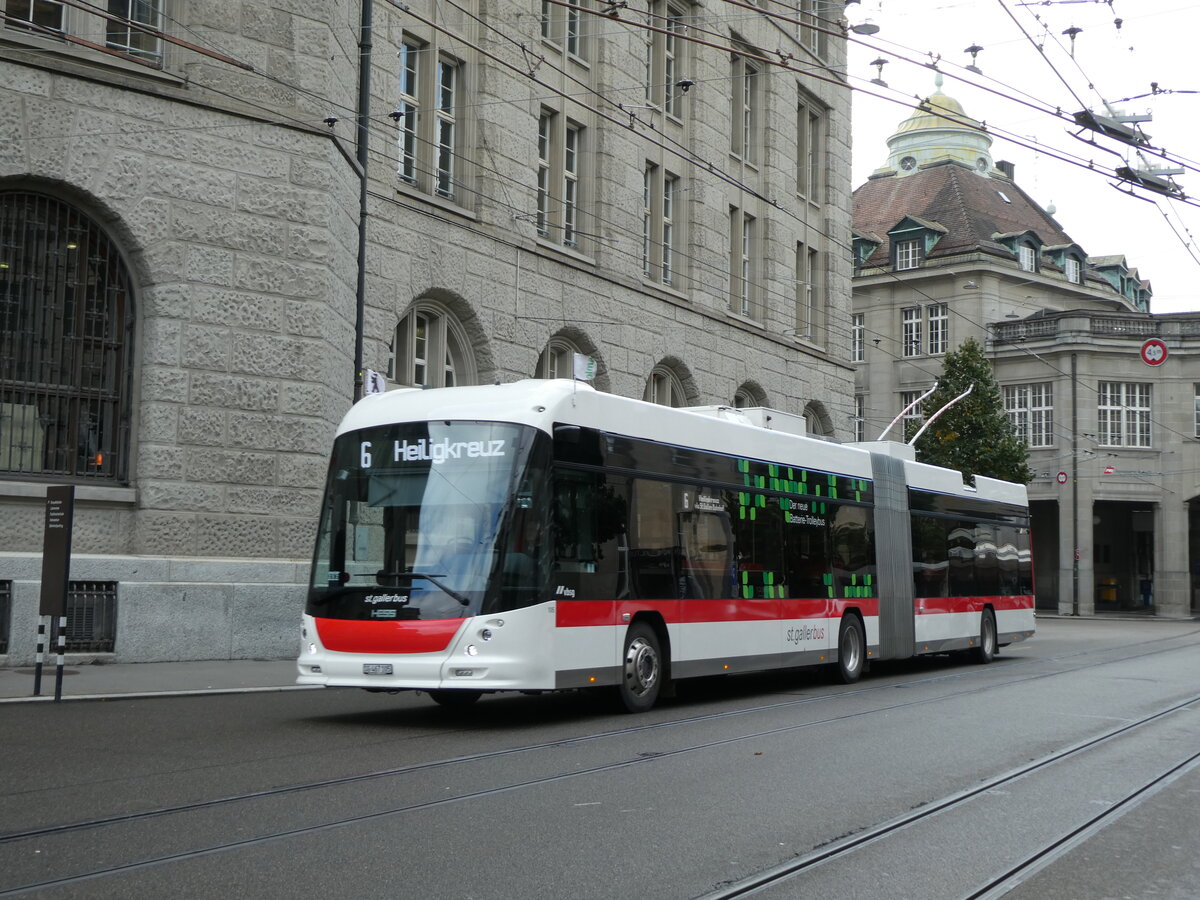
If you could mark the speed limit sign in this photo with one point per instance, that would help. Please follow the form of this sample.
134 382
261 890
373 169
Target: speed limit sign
1154 352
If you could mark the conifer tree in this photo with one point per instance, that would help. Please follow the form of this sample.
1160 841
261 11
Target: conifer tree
975 435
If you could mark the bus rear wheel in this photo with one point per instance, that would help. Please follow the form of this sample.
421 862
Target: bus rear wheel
454 699
987 649
641 669
852 649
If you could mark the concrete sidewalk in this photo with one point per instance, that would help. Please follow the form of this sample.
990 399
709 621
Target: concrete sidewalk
88 681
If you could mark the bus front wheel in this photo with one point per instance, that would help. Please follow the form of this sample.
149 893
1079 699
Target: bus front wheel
852 649
641 669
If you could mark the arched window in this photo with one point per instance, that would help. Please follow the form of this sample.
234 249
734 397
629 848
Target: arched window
816 419
431 349
749 395
664 388
557 360
66 318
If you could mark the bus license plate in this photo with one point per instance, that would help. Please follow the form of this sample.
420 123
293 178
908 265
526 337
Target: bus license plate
377 668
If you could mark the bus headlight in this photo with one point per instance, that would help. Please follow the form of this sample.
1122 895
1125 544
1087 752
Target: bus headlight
472 650
312 649
485 634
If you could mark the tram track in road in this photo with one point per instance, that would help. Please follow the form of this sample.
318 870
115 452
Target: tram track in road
843 851
415 768
182 810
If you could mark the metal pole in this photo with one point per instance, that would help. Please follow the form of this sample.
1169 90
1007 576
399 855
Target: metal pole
41 655
364 112
58 665
1074 486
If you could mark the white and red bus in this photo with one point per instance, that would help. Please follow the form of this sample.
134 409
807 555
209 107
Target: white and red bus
543 535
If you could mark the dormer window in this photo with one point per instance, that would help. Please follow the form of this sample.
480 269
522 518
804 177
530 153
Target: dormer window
1026 246
908 255
1073 270
1028 257
911 240
865 246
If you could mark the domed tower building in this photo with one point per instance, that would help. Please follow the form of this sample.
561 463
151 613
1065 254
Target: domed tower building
948 246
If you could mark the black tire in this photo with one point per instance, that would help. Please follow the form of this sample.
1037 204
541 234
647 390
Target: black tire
852 650
988 647
641 669
454 699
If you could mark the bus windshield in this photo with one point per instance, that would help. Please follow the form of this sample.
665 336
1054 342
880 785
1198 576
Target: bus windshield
432 520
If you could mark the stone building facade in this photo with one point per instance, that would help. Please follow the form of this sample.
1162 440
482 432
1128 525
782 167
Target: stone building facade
949 246
203 218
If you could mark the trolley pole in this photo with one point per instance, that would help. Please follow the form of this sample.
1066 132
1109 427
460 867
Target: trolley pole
56 573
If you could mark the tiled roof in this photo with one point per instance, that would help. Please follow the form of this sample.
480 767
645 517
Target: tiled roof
967 204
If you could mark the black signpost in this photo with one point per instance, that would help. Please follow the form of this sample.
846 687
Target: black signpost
56 573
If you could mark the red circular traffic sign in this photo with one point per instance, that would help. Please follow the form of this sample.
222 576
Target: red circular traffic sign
1154 352
1062 477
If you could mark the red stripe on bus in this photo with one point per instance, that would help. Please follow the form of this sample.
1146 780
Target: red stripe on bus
364 636
581 613
926 606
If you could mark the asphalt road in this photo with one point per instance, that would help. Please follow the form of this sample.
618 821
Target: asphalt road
1068 768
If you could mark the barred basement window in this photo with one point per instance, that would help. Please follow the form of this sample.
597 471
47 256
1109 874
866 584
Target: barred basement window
66 320
91 616
5 614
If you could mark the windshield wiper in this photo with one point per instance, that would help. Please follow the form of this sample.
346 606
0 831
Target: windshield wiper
432 579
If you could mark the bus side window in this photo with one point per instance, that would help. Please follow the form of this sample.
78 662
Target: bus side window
589 521
853 538
931 560
653 547
757 522
961 550
706 541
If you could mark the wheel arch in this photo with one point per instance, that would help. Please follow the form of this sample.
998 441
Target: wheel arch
654 620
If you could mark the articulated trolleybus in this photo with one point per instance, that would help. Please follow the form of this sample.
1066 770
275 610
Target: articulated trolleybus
543 535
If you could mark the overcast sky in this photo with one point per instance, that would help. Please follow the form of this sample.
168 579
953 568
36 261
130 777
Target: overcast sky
1158 41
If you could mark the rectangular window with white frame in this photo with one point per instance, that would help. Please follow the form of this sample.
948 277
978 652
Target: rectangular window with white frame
669 206
444 112
660 190
910 331
427 121
744 112
1196 420
860 417
648 218
939 328
130 30
564 27
810 150
545 129
127 37
407 108
813 25
665 48
858 337
912 418
742 268
909 255
1073 270
572 147
1123 414
1027 255
810 292
1030 410
560 182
